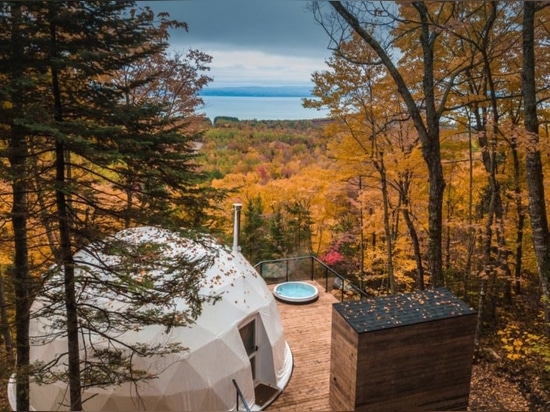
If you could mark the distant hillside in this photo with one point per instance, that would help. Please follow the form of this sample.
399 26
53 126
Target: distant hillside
258 91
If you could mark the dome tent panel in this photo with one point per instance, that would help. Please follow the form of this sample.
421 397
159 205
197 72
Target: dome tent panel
280 351
199 378
230 362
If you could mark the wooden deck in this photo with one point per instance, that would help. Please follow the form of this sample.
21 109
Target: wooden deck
308 332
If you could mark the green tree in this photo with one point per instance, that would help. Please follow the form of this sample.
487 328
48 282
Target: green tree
15 102
298 226
255 231
278 234
87 139
166 85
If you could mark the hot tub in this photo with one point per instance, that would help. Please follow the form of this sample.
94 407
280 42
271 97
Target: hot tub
296 292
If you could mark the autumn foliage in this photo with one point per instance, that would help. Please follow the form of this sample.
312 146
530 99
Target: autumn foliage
429 172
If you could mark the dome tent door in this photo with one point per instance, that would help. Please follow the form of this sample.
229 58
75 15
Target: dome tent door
248 335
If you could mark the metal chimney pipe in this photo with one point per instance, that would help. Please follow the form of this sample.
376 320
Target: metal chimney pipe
236 227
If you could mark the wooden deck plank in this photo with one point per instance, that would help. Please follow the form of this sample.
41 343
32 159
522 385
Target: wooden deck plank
308 332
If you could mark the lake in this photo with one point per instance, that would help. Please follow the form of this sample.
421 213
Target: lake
259 108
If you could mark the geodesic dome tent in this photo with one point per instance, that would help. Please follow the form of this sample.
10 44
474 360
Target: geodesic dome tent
237 338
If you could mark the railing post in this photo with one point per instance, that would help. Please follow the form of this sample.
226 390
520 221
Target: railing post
240 396
287 272
335 274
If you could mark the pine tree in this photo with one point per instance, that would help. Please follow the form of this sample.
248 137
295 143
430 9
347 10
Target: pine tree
255 231
90 145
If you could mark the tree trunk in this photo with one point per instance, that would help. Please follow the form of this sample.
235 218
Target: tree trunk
488 267
405 211
520 224
4 321
428 129
519 249
65 248
471 231
416 247
17 153
480 313
21 277
537 206
69 283
389 238
431 150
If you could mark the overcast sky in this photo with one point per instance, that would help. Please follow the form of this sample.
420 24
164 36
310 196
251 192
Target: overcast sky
252 42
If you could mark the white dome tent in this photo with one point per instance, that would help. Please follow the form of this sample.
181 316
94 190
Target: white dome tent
236 338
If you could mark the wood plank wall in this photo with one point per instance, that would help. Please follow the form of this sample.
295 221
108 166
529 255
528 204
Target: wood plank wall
425 366
344 363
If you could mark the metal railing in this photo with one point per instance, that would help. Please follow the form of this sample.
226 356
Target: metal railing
309 268
240 397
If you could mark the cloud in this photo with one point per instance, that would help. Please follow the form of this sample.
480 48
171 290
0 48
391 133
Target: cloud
278 26
252 67
251 41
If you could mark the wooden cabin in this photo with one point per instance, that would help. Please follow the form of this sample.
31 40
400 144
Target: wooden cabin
409 352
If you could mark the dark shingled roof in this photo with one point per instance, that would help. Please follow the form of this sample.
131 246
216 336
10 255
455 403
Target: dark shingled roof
402 310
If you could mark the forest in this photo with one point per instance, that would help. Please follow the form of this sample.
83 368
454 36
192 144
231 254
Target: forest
430 172
301 196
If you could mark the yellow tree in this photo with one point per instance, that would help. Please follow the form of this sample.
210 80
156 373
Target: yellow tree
285 169
485 34
408 30
370 132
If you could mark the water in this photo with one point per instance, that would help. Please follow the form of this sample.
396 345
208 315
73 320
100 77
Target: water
259 108
296 290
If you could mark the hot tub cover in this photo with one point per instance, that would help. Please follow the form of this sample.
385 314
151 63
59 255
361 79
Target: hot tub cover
199 378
